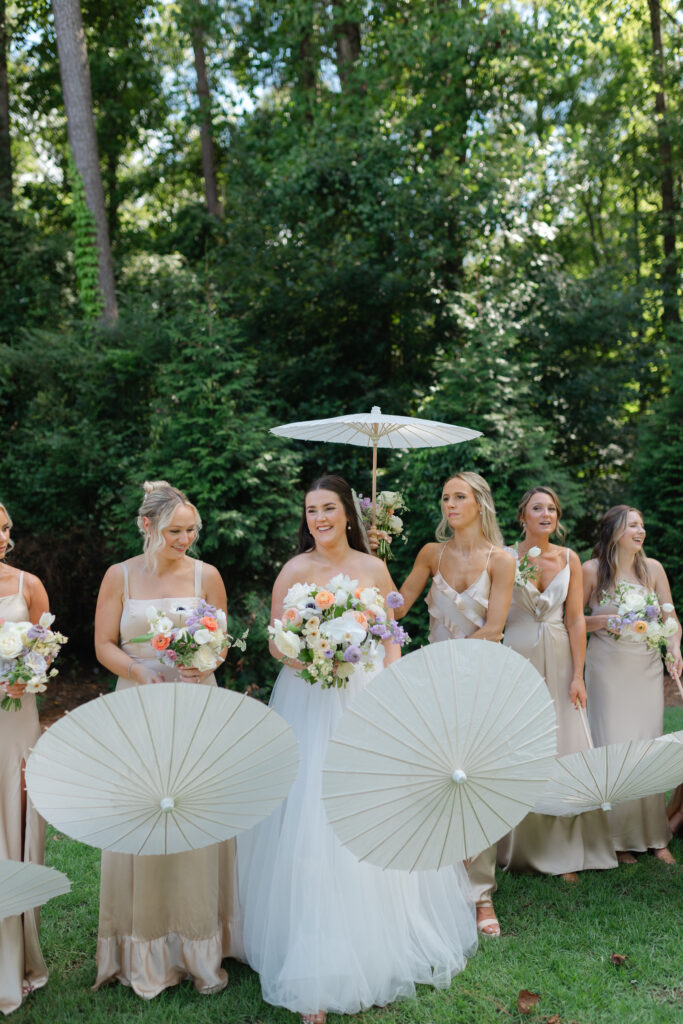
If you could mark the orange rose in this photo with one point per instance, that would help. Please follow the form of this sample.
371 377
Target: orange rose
209 622
160 642
292 617
324 599
361 619
358 592
640 626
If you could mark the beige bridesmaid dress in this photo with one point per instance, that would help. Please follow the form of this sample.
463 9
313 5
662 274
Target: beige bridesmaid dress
22 967
455 615
552 845
625 683
164 919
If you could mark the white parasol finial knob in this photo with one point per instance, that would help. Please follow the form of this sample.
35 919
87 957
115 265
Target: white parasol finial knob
375 411
167 804
459 775
606 807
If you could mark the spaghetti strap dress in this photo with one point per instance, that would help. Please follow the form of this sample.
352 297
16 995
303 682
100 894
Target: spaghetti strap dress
553 845
625 685
455 615
22 967
164 919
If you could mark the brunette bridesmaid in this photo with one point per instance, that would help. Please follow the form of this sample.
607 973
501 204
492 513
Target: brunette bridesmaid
546 625
624 676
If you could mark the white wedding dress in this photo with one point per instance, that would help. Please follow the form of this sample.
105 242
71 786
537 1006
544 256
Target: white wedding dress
323 930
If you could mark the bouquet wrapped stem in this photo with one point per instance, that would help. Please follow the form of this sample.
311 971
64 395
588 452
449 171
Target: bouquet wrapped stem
27 651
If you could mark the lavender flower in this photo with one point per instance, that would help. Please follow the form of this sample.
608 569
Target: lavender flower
398 633
394 599
651 612
381 631
352 654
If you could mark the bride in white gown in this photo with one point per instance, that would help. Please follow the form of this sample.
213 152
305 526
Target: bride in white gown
324 931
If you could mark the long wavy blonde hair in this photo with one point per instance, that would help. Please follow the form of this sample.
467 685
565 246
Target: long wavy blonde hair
612 526
487 509
10 543
158 506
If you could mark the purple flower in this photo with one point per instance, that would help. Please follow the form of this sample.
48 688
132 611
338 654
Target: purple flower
352 654
398 633
365 503
394 599
651 612
329 653
36 632
381 631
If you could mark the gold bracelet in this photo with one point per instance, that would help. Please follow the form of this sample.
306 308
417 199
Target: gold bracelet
130 665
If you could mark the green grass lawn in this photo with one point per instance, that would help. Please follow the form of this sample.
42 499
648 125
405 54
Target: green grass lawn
557 942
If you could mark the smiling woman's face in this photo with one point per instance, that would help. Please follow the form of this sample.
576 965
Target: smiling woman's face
325 516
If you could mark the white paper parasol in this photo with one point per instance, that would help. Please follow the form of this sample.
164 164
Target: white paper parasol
24 886
596 779
377 430
442 754
163 768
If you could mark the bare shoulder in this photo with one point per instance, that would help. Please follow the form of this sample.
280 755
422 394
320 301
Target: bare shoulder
210 573
112 581
503 558
574 560
655 569
295 570
590 569
32 582
429 555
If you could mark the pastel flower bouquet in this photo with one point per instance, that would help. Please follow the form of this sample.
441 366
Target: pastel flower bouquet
196 641
639 616
388 524
27 650
332 629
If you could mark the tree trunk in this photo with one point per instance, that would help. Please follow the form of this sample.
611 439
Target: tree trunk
669 274
5 143
208 152
347 45
75 75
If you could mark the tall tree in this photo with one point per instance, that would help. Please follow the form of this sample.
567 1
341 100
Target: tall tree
204 95
5 147
347 39
669 275
75 75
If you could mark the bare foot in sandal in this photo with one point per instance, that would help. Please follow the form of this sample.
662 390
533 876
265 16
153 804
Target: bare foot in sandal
487 922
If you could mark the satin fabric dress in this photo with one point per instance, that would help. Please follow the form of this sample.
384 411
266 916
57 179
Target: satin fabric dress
324 930
165 918
553 845
21 961
455 615
625 684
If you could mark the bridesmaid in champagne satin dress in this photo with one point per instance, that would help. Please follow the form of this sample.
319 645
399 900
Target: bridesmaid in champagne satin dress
546 625
624 677
162 918
22 830
471 587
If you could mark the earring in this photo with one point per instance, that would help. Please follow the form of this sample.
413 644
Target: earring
348 526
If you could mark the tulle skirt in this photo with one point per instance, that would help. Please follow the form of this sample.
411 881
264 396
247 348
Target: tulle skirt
323 930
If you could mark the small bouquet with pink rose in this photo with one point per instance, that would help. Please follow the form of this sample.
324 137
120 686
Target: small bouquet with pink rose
388 524
639 616
197 640
333 628
27 650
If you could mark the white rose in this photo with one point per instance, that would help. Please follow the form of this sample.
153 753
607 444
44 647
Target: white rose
344 629
534 552
11 643
297 595
344 670
46 620
667 607
205 659
388 498
287 643
669 627
632 601
368 596
202 636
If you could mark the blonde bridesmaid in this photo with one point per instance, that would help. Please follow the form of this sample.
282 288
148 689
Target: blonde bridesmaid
162 919
22 830
624 677
547 626
471 587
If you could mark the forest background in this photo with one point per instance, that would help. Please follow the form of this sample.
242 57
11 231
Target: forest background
459 210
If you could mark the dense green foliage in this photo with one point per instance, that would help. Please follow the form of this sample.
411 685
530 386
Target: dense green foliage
457 214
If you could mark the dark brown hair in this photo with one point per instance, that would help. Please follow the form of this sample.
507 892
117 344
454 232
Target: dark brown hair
355 534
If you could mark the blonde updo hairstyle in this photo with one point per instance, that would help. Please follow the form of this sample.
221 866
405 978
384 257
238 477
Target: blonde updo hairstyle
526 498
3 509
487 510
158 506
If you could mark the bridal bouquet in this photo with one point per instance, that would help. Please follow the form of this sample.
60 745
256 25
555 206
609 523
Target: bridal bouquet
388 524
26 652
197 641
526 572
333 628
639 616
